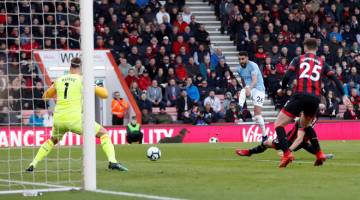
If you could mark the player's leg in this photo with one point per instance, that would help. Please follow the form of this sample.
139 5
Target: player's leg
258 99
46 147
307 146
311 107
316 150
256 150
108 148
281 121
242 97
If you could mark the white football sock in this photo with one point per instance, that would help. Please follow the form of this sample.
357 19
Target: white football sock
260 122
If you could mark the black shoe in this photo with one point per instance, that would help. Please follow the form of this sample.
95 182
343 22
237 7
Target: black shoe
30 168
117 166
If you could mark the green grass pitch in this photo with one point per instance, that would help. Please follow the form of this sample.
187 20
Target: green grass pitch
213 171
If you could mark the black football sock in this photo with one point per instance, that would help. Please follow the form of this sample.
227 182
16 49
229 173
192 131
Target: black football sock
309 148
310 132
281 135
257 149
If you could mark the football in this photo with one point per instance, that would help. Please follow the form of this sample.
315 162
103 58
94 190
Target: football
213 140
153 153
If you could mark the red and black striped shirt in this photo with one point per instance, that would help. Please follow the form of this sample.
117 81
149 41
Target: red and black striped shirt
309 70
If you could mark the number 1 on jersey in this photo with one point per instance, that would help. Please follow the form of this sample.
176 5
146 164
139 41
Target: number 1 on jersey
66 90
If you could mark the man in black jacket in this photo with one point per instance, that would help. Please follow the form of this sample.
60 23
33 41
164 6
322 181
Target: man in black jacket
183 105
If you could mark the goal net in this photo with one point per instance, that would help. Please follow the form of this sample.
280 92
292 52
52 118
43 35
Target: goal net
25 119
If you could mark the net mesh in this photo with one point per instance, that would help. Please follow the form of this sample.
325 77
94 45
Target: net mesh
25 119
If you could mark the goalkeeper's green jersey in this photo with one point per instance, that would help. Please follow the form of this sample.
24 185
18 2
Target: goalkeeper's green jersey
69 94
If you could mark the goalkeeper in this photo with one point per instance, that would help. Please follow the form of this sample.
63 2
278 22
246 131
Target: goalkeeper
68 115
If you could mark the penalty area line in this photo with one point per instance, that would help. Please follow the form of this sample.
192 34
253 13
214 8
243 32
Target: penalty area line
139 195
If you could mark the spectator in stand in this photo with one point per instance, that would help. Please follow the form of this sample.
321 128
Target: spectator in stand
355 98
138 68
222 67
273 81
202 36
234 87
215 82
180 23
131 77
144 80
162 117
38 93
200 54
192 69
228 98
36 119
351 113
210 116
233 114
349 86
281 67
205 67
203 90
186 15
144 103
183 106
124 67
332 106
119 108
160 15
194 26
135 91
216 57
215 103
134 55
197 117
354 76
178 44
154 94
172 91
260 55
192 91
180 69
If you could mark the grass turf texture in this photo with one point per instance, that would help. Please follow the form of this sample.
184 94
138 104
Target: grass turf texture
214 171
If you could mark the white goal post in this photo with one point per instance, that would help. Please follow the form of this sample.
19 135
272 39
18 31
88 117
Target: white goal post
87 56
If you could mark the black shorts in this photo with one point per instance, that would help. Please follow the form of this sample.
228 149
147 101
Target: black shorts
301 103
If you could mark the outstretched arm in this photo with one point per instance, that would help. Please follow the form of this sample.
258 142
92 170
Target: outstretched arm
299 139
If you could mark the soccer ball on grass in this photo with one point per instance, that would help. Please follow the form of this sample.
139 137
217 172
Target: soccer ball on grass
153 153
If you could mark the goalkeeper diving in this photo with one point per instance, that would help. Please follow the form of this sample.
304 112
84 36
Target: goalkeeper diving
68 115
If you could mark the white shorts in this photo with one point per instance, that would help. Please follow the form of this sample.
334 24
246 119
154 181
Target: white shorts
258 97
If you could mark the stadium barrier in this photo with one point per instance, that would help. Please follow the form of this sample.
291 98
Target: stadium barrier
35 136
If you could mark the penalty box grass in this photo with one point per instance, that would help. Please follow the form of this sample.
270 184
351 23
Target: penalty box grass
214 171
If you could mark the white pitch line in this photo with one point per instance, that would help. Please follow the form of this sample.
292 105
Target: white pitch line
145 196
36 184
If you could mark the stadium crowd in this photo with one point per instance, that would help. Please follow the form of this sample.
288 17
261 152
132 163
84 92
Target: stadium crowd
166 56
